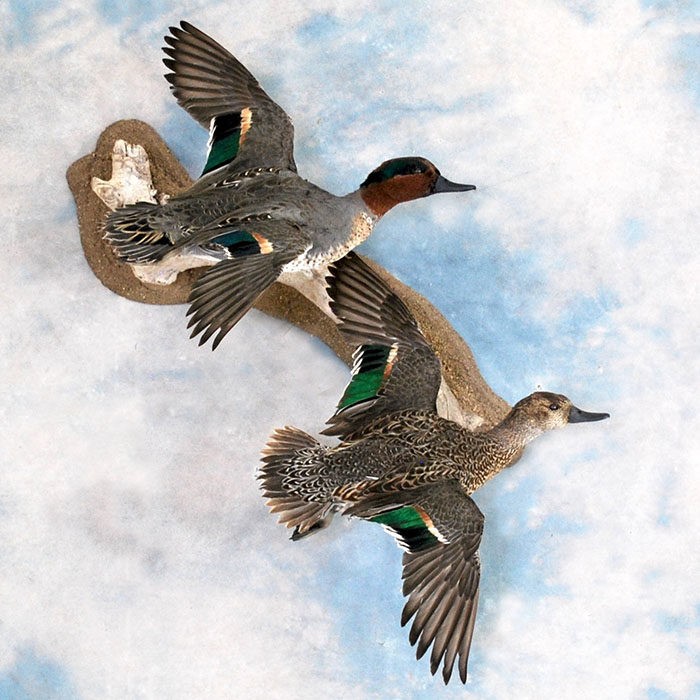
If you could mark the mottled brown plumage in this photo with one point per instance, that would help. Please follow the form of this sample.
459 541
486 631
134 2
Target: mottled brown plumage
401 465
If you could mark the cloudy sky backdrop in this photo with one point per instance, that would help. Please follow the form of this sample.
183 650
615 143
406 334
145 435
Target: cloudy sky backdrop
137 558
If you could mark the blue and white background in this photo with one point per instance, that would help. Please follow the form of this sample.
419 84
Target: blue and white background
137 558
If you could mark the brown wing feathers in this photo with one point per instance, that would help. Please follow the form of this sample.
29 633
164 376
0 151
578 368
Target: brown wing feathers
442 589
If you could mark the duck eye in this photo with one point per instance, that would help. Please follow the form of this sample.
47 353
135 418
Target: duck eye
553 406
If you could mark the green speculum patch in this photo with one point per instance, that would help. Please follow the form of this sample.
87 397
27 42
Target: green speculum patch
239 243
222 152
409 525
369 376
225 141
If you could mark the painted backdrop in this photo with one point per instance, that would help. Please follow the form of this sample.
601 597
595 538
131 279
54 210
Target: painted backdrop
137 558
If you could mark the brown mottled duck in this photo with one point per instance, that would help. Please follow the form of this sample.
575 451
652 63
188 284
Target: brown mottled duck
403 466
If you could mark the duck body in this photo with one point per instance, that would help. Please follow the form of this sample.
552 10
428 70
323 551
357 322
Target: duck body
402 451
298 217
250 215
401 465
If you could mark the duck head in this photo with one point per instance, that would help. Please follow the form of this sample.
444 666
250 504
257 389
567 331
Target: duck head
402 179
542 411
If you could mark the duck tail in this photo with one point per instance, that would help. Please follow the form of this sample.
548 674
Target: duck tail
292 481
133 238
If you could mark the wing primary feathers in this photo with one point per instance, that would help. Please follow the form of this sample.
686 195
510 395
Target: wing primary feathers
440 581
223 294
370 314
208 81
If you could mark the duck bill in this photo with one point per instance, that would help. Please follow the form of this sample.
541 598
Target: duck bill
576 415
442 184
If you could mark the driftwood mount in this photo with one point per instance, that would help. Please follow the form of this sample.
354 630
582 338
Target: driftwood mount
479 405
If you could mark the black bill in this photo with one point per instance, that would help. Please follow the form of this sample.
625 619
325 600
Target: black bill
442 184
576 415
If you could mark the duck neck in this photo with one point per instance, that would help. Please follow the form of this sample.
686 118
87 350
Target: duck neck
377 199
496 449
514 433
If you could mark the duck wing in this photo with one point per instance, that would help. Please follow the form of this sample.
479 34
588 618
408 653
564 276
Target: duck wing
246 128
440 528
224 293
394 366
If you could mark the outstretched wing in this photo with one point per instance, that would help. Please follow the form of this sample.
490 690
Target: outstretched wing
440 526
223 294
246 128
394 368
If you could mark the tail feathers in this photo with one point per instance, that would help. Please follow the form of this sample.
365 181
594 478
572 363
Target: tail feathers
290 464
285 441
133 238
